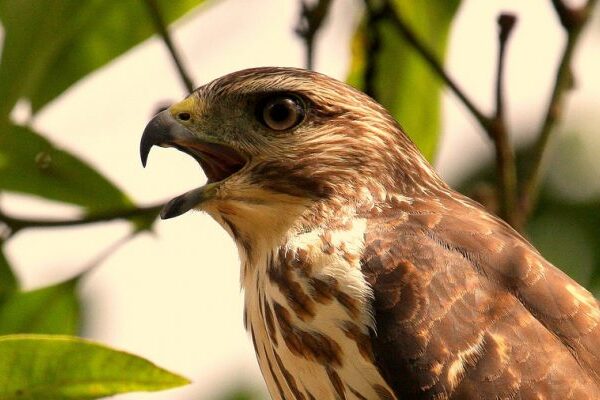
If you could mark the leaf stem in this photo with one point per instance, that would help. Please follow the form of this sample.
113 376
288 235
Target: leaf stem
161 28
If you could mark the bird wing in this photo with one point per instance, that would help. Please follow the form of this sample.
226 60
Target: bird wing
465 308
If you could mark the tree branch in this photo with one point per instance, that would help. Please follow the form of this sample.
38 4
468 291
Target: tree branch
573 20
494 126
506 23
434 64
161 28
311 19
505 158
15 224
372 37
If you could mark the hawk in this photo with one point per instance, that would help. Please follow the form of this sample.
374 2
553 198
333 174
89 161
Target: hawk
365 276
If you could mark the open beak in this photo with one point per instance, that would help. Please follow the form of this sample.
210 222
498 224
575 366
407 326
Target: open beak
218 161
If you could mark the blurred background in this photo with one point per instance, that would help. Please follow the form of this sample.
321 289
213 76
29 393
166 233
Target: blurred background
79 81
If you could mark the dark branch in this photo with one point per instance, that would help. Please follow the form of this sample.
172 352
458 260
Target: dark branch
495 126
15 224
573 20
505 158
372 45
570 18
432 61
161 28
506 23
311 20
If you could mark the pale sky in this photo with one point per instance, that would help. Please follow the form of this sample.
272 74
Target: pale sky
174 296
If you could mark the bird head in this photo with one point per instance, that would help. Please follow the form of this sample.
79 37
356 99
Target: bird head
274 141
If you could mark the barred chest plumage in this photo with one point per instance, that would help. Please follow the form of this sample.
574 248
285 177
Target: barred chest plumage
307 309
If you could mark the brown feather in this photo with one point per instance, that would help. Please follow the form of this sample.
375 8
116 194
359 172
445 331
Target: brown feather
466 308
463 306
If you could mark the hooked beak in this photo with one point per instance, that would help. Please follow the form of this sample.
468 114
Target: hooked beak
217 160
164 131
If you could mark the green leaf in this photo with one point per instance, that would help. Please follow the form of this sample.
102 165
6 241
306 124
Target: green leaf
53 310
49 45
34 367
8 281
31 164
401 81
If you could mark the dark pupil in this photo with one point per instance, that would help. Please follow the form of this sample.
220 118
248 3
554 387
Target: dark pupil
280 112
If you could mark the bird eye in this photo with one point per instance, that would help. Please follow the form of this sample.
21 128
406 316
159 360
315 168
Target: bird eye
184 116
282 112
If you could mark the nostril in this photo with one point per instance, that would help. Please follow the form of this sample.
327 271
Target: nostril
184 116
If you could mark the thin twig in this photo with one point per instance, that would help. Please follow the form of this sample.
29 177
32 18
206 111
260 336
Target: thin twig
17 224
106 253
506 23
402 26
570 18
161 28
505 158
573 21
311 20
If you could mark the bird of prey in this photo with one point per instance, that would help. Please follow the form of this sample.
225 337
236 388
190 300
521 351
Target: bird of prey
365 276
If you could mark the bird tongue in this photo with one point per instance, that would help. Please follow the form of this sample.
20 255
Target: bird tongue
182 204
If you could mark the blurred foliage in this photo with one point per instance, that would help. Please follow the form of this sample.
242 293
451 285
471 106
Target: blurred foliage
567 234
30 164
51 44
242 393
34 367
52 310
48 46
8 281
392 72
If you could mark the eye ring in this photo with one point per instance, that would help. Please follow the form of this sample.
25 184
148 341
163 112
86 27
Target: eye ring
281 112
